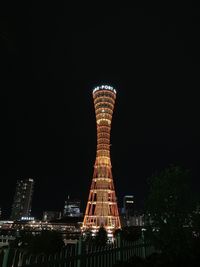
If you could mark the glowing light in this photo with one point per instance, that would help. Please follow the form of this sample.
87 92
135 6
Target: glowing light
102 205
103 87
27 218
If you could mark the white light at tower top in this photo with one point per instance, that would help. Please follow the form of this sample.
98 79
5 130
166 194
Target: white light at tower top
104 87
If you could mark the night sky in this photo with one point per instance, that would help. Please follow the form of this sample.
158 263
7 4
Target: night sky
51 59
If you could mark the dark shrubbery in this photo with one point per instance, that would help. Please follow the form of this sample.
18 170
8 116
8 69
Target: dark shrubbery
158 260
48 242
171 207
129 233
101 238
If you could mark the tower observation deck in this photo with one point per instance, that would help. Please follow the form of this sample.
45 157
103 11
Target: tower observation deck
102 207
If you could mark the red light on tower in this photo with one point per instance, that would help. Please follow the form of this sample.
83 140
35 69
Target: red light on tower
102 207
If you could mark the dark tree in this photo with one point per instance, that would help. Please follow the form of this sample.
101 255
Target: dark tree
169 209
101 237
196 233
47 242
88 236
129 233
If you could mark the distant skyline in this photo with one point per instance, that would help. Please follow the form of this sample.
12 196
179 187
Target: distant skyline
50 63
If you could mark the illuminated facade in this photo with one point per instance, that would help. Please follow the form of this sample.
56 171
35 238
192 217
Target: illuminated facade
128 206
72 208
102 207
22 200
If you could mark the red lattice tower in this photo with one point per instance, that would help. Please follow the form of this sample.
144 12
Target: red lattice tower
102 207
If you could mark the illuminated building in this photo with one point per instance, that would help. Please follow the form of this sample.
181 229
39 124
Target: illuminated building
128 206
131 217
102 207
69 229
22 200
72 207
51 215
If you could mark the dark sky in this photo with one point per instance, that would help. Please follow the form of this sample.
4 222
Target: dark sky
53 56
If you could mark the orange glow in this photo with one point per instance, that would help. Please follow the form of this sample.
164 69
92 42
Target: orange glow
102 204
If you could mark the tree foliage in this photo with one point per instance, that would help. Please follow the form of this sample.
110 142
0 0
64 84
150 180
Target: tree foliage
47 242
101 237
88 238
170 206
129 233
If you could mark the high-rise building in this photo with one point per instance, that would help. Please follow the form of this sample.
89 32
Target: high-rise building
102 209
72 208
128 206
22 200
130 216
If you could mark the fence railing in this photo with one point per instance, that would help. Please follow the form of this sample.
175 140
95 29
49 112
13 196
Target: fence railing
79 255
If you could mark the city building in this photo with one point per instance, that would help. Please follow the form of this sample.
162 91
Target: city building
128 206
102 209
69 228
129 215
22 200
51 215
72 208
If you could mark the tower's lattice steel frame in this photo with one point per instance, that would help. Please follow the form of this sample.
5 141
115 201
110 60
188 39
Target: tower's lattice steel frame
102 207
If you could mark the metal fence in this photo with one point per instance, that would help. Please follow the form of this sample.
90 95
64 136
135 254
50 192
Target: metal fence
79 255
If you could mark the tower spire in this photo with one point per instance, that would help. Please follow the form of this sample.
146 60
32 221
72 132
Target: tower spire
102 203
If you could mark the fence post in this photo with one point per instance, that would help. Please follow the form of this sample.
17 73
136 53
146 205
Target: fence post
79 252
119 246
143 245
5 257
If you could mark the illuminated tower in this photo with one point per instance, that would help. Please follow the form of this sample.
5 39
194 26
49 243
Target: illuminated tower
102 207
